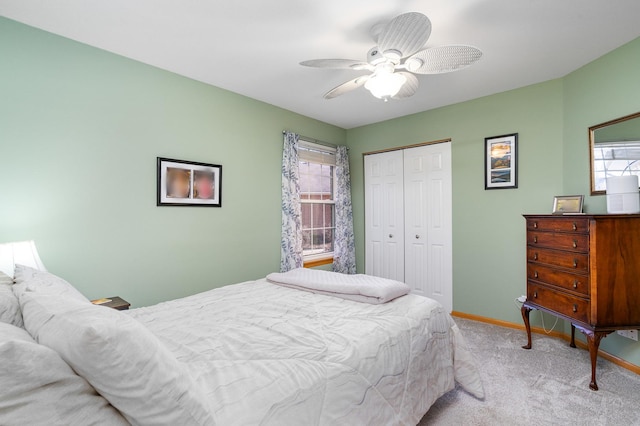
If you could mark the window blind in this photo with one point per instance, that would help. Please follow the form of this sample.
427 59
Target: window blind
316 153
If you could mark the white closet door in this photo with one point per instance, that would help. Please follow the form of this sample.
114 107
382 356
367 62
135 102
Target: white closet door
428 231
384 217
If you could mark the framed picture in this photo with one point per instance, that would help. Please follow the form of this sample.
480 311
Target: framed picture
501 162
187 183
568 204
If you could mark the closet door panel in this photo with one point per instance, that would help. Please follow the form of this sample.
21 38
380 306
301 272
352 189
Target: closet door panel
428 222
440 283
415 221
415 211
384 220
375 242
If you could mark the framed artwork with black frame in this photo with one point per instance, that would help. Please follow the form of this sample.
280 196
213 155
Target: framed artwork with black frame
501 162
189 183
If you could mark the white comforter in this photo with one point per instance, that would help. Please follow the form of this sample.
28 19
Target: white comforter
271 355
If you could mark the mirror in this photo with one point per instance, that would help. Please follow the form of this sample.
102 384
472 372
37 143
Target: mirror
615 150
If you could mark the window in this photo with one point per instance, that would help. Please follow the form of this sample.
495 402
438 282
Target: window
615 159
317 164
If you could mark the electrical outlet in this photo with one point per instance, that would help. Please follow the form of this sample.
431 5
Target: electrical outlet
523 299
629 334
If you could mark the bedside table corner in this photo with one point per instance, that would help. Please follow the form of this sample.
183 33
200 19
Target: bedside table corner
115 302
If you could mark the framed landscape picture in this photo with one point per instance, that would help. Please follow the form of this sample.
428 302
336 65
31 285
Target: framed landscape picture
501 162
187 183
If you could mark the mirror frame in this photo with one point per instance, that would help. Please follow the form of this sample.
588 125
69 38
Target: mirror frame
592 142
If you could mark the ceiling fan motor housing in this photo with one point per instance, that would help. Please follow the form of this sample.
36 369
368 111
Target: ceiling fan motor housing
374 56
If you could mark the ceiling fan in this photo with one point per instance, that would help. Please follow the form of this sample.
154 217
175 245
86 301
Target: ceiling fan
398 56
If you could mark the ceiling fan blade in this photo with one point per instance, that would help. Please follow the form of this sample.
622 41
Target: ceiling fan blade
443 59
376 30
336 63
347 87
409 88
404 35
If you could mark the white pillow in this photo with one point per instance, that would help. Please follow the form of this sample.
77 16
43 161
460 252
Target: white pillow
121 358
29 279
5 279
9 305
39 388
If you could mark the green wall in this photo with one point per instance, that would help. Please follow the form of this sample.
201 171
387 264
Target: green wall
552 120
80 130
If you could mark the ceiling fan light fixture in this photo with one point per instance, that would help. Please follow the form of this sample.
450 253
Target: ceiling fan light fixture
385 85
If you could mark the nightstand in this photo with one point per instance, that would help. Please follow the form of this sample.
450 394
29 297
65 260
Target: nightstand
116 302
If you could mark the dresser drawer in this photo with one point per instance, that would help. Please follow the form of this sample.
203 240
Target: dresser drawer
572 242
559 224
568 305
548 275
576 261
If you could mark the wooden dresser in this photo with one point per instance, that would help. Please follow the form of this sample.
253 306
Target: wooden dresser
585 269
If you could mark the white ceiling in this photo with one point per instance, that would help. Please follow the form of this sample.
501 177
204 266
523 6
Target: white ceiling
253 47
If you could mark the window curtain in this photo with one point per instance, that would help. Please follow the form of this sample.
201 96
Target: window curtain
291 241
344 249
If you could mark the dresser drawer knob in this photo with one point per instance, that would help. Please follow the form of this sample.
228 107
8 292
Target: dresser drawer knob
575 283
575 226
575 308
535 256
575 263
390 235
575 243
535 240
535 274
535 225
535 294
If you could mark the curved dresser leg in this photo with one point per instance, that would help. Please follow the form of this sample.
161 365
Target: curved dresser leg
525 316
573 336
594 338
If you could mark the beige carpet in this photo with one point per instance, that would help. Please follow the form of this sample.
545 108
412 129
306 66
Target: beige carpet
547 385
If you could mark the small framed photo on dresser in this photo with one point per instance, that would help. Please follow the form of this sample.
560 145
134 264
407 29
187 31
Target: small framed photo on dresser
568 204
501 162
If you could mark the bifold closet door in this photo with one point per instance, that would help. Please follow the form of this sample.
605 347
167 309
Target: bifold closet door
384 215
427 221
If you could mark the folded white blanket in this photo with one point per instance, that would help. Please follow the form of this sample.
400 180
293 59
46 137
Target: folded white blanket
359 288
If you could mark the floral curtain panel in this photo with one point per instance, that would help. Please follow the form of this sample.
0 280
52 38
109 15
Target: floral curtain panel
344 250
291 241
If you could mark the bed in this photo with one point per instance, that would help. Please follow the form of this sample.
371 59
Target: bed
253 353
